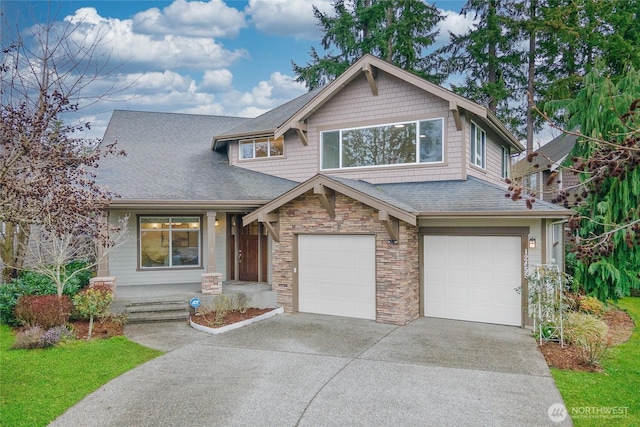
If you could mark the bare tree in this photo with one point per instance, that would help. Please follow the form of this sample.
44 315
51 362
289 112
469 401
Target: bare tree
49 252
46 172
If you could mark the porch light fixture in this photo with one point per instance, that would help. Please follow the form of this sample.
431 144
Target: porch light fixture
217 223
532 243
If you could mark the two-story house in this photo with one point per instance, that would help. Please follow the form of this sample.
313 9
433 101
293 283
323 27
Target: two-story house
379 196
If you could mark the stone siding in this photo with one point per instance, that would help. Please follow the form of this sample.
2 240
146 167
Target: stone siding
397 265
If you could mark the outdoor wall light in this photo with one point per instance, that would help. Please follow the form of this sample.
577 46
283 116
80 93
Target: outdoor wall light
532 243
217 223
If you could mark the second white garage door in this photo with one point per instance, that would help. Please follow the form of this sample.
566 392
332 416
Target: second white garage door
473 278
337 275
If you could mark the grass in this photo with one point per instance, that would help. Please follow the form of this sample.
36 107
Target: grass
614 389
36 386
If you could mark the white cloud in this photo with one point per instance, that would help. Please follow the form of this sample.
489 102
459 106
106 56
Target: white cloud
219 80
118 38
293 18
191 18
269 94
454 22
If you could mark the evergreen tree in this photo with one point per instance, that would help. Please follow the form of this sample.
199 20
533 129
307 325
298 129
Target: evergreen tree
607 157
488 57
398 31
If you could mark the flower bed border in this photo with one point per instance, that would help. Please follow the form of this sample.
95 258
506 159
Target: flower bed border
236 325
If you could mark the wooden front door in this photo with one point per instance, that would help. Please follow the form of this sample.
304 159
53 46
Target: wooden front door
247 250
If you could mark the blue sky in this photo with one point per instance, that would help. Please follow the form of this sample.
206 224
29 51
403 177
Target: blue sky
205 57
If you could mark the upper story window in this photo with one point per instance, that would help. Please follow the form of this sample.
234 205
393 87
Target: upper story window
261 148
506 162
169 242
478 146
531 184
393 144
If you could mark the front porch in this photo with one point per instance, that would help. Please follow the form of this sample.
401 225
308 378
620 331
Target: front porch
164 298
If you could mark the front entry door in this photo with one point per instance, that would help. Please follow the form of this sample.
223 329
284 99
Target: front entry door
248 255
249 262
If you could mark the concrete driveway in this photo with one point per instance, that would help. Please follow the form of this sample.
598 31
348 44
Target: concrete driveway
313 370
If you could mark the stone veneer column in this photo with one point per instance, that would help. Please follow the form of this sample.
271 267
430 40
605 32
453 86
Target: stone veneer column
211 283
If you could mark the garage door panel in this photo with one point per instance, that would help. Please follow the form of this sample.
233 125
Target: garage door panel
473 278
336 275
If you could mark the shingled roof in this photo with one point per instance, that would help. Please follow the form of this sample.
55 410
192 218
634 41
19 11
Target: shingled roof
549 156
169 159
411 200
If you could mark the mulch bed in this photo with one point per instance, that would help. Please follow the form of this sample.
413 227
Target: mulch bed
621 327
208 318
105 329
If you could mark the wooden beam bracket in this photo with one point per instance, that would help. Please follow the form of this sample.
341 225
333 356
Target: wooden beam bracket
301 130
391 224
456 115
327 198
272 222
371 78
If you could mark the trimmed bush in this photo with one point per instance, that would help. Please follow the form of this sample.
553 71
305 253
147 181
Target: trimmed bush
45 311
588 334
29 338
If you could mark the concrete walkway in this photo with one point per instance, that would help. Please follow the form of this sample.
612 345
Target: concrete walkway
312 370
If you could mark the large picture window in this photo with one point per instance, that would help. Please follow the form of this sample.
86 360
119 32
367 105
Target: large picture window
393 144
261 148
169 242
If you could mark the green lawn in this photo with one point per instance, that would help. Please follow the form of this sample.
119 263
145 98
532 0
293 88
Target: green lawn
36 386
616 390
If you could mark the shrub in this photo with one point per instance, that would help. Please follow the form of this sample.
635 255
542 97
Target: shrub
30 283
588 334
54 335
591 305
93 302
45 311
29 338
242 302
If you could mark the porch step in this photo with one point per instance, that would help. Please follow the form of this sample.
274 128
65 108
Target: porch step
157 311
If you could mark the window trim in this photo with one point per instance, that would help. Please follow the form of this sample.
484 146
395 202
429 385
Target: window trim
417 144
172 217
474 146
253 141
506 166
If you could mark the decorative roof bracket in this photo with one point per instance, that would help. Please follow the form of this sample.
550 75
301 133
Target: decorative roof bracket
272 222
391 224
371 78
456 115
327 198
301 130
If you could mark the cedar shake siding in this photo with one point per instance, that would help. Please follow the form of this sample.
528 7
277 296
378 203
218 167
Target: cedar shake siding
355 106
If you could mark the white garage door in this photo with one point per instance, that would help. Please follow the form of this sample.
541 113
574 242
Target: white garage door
336 275
473 278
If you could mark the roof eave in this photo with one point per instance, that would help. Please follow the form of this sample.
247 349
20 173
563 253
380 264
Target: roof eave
308 185
219 140
157 204
501 214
